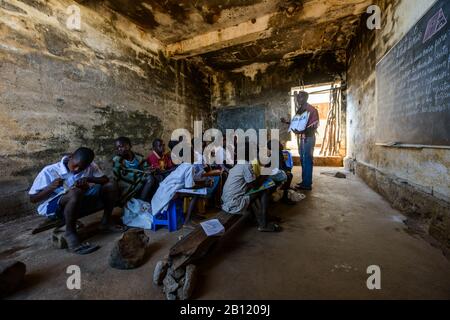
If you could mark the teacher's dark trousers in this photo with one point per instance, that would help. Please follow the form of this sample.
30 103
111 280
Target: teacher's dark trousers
306 151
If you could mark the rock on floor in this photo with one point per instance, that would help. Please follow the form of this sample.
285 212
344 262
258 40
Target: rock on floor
189 282
130 251
170 284
178 274
12 274
340 175
177 284
160 272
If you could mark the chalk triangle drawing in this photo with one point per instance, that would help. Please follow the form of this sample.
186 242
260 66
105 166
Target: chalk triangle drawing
435 24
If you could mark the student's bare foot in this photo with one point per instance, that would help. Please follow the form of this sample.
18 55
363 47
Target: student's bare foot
270 227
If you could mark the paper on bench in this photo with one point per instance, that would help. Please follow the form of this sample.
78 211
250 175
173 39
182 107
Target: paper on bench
201 191
213 227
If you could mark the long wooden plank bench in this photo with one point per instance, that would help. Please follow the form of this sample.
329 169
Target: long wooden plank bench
197 244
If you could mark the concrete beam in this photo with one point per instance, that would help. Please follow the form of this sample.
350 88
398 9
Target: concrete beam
215 40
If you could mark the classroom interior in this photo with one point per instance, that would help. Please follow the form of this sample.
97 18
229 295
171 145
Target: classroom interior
143 69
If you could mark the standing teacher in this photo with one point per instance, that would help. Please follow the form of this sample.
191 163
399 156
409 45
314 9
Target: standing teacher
306 139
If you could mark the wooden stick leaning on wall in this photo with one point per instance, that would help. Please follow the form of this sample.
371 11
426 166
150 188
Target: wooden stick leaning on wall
322 148
331 142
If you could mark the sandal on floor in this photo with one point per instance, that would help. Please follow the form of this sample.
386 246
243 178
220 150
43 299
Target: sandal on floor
84 248
113 228
270 227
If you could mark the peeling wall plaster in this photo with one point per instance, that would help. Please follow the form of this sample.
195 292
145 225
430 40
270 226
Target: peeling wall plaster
252 70
60 89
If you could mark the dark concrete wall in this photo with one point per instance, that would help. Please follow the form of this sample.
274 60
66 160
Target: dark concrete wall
424 174
62 88
269 84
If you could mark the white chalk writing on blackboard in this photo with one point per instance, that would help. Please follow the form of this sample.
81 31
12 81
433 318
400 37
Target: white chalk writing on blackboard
413 83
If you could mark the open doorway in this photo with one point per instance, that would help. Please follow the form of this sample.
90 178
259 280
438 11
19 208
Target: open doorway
321 97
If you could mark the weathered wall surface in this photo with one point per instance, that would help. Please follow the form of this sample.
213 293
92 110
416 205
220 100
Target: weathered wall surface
414 180
269 84
61 88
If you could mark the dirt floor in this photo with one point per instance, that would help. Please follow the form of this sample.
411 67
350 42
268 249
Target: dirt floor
329 240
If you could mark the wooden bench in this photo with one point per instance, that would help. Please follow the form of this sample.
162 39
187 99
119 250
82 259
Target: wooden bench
197 244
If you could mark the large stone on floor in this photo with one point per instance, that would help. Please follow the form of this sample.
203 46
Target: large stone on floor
178 273
170 284
160 272
170 296
130 251
189 281
340 175
12 274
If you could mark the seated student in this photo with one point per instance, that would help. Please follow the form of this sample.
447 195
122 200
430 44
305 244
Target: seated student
206 174
181 177
282 174
235 199
203 170
223 156
277 176
71 188
160 162
157 159
132 173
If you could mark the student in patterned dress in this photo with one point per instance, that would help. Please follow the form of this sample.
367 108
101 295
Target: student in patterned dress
133 176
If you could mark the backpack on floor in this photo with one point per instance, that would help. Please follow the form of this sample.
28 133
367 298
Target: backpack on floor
295 196
138 214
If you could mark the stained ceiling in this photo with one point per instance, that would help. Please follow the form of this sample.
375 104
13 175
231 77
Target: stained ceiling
229 34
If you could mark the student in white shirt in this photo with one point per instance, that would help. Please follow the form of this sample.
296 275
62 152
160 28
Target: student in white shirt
223 156
236 198
181 177
186 175
72 188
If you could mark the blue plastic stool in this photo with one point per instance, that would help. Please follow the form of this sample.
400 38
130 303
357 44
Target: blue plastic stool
173 217
288 159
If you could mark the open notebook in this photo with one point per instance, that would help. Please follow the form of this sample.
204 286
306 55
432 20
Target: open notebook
266 185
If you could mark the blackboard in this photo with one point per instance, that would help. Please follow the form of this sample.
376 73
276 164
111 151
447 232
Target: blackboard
251 117
413 87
